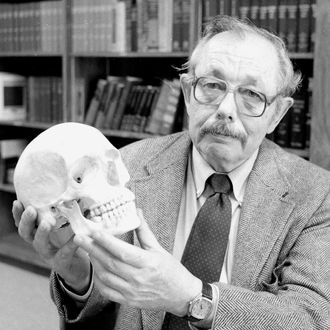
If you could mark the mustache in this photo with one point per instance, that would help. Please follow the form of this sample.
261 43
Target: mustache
221 128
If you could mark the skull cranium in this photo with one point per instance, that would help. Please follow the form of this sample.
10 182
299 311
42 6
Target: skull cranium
71 165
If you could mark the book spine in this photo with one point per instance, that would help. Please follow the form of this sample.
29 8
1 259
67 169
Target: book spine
142 27
309 111
282 20
272 10
263 14
170 109
244 9
254 12
282 132
152 24
298 121
292 33
303 25
177 28
185 18
312 25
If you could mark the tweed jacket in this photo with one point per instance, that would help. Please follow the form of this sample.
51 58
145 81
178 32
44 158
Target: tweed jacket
281 271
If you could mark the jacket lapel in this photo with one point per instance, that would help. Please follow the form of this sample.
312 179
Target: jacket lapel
265 211
159 195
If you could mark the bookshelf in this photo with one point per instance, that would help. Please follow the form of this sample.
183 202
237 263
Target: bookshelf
73 56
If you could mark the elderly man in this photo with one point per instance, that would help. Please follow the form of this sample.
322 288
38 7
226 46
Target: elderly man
238 233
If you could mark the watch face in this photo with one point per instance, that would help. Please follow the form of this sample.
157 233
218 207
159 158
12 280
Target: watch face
201 308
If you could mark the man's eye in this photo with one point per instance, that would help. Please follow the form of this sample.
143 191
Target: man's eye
249 93
212 86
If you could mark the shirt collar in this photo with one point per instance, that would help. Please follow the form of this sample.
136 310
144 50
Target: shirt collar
201 170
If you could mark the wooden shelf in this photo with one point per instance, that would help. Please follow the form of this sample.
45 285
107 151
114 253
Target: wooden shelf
7 188
13 247
29 54
131 54
26 124
106 132
303 56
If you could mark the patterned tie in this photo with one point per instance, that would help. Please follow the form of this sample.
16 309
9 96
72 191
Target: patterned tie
207 243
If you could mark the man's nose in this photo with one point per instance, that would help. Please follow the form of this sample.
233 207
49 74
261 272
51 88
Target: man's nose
227 108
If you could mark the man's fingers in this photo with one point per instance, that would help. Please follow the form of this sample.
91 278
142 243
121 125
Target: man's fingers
112 245
27 223
17 211
68 249
41 239
146 237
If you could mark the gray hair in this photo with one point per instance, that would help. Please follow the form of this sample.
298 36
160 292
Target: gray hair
290 80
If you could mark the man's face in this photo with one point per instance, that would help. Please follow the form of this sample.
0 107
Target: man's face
223 135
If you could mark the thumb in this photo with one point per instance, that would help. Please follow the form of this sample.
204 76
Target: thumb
145 236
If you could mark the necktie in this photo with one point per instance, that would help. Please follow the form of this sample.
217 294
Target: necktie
206 247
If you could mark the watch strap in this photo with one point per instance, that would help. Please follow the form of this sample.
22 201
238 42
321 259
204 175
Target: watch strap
206 293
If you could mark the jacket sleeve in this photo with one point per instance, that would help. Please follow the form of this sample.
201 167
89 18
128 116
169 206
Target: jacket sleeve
298 294
97 313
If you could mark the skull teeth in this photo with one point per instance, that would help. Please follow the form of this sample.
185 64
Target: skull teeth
113 210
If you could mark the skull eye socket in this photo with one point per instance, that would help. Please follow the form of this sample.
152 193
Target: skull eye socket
84 169
78 179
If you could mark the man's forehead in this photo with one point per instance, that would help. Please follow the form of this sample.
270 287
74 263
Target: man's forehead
245 55
246 49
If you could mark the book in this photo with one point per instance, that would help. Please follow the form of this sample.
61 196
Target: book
152 25
272 10
263 14
292 27
94 103
129 108
107 94
79 100
142 26
312 25
282 20
244 9
143 103
170 111
309 110
113 103
282 131
177 29
135 107
304 22
185 23
151 100
298 121
129 82
163 114
254 12
10 150
166 17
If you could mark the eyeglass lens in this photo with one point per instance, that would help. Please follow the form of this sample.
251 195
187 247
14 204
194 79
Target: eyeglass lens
213 91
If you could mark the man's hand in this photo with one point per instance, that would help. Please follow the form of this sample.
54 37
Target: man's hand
147 277
56 247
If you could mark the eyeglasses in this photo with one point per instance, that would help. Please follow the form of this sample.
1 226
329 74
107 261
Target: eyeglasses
212 91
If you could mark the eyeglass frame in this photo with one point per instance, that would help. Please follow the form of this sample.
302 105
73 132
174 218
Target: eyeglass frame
229 89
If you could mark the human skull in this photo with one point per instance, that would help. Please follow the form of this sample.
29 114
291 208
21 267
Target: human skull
73 174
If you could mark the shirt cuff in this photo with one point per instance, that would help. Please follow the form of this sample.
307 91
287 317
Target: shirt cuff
204 324
77 297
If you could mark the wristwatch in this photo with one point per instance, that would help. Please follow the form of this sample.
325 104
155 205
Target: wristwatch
201 306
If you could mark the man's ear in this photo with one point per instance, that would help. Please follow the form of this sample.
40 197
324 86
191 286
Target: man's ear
285 105
185 81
